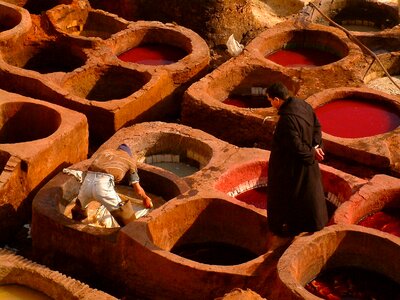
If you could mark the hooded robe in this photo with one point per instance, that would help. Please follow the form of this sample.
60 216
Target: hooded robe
296 201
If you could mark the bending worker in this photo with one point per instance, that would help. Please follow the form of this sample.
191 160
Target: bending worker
109 167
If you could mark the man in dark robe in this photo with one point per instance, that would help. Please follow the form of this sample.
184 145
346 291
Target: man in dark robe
295 200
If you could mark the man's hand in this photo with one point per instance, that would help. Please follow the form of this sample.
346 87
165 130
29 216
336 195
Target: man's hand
319 154
147 202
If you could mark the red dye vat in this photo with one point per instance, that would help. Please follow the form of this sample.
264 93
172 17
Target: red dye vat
387 220
247 101
256 197
352 118
302 57
353 283
153 54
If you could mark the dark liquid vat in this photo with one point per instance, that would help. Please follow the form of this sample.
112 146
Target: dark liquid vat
153 54
352 118
353 283
387 220
214 253
302 57
256 197
247 101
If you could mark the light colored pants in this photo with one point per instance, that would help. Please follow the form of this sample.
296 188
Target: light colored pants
99 187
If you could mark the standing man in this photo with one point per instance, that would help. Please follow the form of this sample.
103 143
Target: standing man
296 201
109 167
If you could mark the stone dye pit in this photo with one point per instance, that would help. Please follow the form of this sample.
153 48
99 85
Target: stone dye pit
33 142
337 247
369 133
16 278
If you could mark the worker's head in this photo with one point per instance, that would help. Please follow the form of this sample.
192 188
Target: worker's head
125 147
277 93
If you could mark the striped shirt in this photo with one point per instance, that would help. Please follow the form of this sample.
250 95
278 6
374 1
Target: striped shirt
115 162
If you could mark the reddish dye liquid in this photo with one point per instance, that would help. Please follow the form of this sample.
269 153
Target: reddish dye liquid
256 197
353 283
153 54
247 101
302 57
352 118
387 220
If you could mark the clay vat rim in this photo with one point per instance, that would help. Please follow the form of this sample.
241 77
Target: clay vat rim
250 66
44 107
153 81
369 199
199 53
134 229
47 278
326 96
258 45
23 26
300 246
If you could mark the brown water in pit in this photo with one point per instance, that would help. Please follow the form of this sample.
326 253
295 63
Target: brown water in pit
178 168
20 292
214 253
352 283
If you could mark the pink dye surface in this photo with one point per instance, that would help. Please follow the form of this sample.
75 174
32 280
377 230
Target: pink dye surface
387 220
153 54
302 57
352 118
256 197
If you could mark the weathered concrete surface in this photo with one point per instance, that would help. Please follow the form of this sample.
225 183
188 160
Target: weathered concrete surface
38 139
15 269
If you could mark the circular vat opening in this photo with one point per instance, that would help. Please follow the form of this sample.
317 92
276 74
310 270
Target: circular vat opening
208 236
366 16
156 46
48 57
248 96
38 7
307 48
24 122
159 185
9 18
386 220
350 265
247 183
357 115
181 155
17 291
86 23
104 84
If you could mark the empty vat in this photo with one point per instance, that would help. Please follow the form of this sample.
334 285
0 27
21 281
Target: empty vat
47 57
205 254
27 121
14 22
